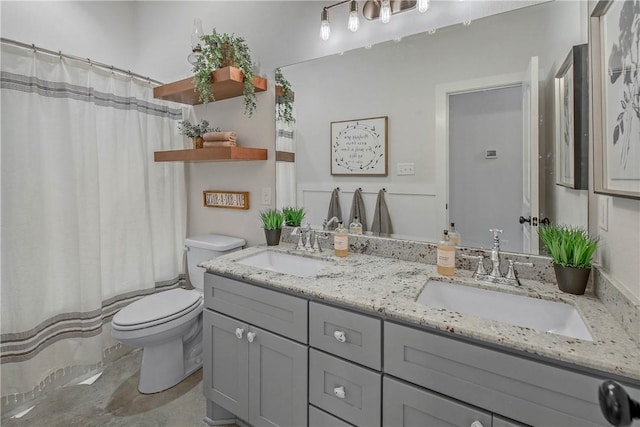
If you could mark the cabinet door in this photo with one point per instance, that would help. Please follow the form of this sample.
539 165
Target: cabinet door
405 405
277 380
225 367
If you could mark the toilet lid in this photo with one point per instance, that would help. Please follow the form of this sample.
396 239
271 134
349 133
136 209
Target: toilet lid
158 308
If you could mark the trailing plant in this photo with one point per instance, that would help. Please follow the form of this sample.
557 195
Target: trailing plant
568 246
195 130
284 103
271 219
219 51
293 216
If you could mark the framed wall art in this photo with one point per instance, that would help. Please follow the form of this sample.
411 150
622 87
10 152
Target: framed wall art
359 147
226 199
614 27
572 120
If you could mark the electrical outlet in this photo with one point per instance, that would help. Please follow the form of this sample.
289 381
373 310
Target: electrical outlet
266 196
406 169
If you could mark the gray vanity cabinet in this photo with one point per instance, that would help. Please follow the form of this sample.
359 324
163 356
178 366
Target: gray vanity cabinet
257 375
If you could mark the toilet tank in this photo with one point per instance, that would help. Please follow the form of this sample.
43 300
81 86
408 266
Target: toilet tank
205 247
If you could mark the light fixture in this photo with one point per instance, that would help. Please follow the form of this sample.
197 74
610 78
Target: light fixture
385 11
354 20
196 48
325 29
371 10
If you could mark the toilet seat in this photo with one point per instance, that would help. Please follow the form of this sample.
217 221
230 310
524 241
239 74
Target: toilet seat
156 309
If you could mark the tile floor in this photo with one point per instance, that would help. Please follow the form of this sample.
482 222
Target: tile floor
114 400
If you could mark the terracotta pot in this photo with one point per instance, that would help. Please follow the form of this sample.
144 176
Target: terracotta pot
273 237
198 142
572 280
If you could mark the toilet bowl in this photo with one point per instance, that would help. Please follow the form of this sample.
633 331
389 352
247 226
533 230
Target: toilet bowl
168 325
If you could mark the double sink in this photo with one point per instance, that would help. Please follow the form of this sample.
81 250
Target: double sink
542 315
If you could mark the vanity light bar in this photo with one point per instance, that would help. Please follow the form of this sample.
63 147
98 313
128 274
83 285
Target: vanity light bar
371 10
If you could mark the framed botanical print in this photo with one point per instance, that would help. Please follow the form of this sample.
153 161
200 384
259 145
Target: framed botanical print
615 68
572 120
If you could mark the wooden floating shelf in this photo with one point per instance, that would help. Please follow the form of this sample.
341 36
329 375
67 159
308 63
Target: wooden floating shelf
227 82
217 154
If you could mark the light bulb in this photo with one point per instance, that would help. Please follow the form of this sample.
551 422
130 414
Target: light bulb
354 20
196 34
423 6
385 11
325 29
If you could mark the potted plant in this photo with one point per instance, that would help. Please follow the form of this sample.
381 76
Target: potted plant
571 250
272 220
284 102
195 131
293 216
219 51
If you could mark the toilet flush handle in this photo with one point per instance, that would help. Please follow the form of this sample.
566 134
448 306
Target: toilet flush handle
239 332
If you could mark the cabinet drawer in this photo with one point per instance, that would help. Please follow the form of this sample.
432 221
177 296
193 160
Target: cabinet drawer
344 389
528 391
318 418
346 334
406 405
274 311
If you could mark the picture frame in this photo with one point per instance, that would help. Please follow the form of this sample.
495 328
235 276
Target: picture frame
614 100
359 147
225 199
572 120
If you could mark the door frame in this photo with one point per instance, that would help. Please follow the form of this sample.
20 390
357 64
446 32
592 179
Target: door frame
443 91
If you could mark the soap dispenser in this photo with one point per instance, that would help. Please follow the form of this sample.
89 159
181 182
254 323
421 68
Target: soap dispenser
355 227
454 236
341 241
446 256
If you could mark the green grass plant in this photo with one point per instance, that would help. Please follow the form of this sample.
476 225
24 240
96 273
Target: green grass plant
293 216
272 219
568 246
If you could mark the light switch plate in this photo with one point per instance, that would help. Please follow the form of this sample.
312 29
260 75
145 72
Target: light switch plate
266 196
603 212
406 169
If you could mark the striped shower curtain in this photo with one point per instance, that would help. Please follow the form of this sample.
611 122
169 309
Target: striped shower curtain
89 221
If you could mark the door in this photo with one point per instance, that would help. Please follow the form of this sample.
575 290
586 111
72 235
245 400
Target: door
277 380
530 159
226 375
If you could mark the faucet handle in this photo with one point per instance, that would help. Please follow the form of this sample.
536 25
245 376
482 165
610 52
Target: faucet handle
511 274
496 233
480 268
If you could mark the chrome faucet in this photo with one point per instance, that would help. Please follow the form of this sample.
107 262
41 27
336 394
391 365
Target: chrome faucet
327 222
496 276
308 239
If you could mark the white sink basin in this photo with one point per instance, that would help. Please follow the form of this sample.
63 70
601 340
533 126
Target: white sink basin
542 315
285 263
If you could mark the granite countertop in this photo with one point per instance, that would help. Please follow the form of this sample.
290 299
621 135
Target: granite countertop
389 288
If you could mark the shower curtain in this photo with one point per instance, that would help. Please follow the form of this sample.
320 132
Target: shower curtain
89 221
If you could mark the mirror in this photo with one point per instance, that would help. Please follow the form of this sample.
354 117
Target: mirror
416 82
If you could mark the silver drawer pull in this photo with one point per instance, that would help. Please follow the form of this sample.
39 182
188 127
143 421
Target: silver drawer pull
239 332
476 424
252 335
340 336
339 392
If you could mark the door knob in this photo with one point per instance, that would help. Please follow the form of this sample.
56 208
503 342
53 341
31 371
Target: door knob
545 221
239 332
339 392
476 424
522 220
340 336
251 336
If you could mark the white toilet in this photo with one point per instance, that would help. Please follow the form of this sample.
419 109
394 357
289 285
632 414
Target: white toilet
169 324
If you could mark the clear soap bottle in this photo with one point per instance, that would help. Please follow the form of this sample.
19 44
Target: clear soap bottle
355 227
454 236
341 241
446 256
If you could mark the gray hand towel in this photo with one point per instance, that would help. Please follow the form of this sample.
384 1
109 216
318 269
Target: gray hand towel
334 208
357 210
381 219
